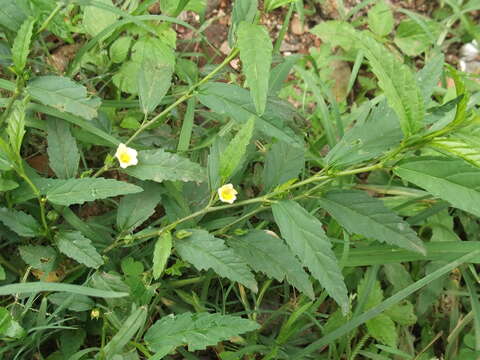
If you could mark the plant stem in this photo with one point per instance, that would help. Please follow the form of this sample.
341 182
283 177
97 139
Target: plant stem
50 17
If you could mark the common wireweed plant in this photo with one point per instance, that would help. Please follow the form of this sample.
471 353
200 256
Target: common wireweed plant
191 212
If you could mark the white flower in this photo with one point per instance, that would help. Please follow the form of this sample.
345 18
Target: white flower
126 156
227 193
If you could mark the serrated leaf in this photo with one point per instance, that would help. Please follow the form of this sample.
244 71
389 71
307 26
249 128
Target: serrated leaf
161 253
268 254
367 140
459 147
76 246
205 251
243 10
159 165
449 179
195 330
155 78
380 19
382 329
21 45
16 126
368 216
305 236
77 191
233 155
429 76
412 38
63 154
402 313
134 209
375 295
126 332
256 55
23 224
64 94
235 102
95 19
39 257
282 163
398 83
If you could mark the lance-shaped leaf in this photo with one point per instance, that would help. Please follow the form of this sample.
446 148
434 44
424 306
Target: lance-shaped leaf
76 246
21 45
449 179
305 236
268 254
159 165
63 94
367 216
163 249
77 191
23 224
16 126
196 330
205 251
232 157
63 154
256 55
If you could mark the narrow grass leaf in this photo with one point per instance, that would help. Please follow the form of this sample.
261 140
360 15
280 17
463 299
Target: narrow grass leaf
36 287
305 236
205 251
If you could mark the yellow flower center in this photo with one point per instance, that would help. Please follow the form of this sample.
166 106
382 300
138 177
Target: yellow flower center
228 194
125 157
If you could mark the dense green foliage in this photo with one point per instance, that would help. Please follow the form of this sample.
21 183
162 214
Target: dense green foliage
157 202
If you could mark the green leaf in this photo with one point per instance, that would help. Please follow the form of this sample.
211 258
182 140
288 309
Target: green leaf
96 19
77 191
119 49
63 154
429 76
412 38
274 4
39 286
282 163
159 165
233 155
205 251
43 258
163 249
8 326
3 276
279 73
268 254
398 83
76 246
402 313
77 303
256 55
367 140
367 216
449 179
375 295
335 32
305 236
382 329
195 330
465 147
16 126
23 224
236 103
63 94
243 10
7 185
380 19
155 77
21 45
134 209
11 15
126 332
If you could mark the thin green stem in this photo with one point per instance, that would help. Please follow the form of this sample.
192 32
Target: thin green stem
47 21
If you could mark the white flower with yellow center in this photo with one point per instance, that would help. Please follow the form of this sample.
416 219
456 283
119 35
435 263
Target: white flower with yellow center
126 156
227 193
